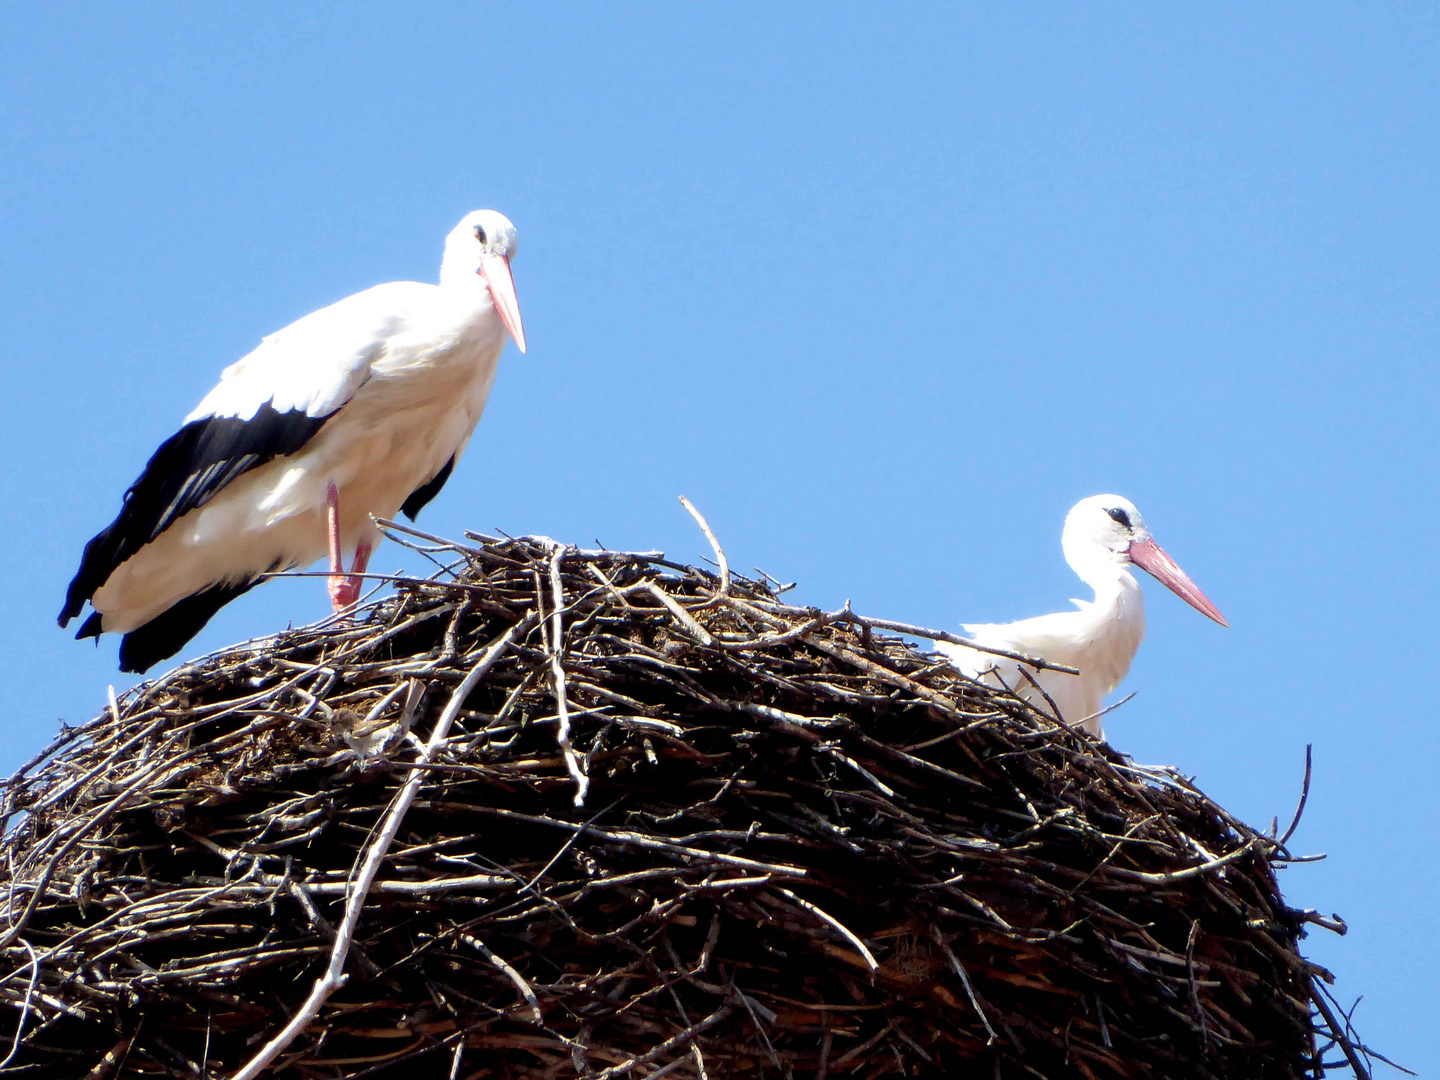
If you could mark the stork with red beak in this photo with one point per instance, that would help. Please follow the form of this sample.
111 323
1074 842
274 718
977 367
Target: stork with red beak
358 410
1104 536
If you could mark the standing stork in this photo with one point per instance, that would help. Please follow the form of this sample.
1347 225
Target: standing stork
1104 536
361 408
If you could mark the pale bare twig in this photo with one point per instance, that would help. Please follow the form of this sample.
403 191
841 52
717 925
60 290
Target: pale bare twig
526 990
838 926
557 670
720 559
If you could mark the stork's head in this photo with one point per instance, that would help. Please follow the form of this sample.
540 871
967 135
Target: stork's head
484 243
1108 528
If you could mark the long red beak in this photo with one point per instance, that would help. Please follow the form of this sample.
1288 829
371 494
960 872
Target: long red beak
495 269
1151 558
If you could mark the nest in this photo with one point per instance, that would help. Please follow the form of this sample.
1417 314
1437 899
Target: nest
564 813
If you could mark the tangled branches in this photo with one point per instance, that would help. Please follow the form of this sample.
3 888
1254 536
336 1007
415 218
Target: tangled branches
560 812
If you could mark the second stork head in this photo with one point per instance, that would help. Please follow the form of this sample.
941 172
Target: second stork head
1106 531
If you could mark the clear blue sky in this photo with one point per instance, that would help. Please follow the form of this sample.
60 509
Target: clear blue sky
883 292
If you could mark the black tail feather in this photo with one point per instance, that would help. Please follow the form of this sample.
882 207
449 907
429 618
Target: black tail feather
166 634
427 491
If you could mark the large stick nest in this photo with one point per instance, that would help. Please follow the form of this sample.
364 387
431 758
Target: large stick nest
697 831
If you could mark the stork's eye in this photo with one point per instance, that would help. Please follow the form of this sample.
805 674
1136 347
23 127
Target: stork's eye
1120 516
480 233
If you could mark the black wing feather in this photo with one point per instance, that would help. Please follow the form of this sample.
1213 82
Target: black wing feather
427 491
167 633
188 470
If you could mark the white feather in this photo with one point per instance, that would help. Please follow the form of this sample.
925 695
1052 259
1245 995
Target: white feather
317 362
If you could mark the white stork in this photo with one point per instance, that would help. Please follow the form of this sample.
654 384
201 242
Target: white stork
1104 536
360 408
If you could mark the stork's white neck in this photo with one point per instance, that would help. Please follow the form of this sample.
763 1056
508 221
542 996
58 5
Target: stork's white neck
1095 564
1100 569
458 275
1112 625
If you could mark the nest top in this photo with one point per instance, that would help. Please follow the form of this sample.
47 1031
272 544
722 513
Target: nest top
560 812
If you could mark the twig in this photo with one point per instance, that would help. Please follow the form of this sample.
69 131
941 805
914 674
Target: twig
838 926
1196 1008
557 671
1108 709
1335 925
956 639
1337 1032
714 544
526 992
959 969
29 992
1304 797
1050 701
1188 872
682 616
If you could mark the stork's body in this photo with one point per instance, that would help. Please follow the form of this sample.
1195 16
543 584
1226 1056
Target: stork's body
1104 536
358 409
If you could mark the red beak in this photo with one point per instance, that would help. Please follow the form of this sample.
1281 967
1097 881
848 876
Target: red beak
1151 558
495 269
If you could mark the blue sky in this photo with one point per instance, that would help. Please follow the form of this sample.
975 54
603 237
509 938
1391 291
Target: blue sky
884 294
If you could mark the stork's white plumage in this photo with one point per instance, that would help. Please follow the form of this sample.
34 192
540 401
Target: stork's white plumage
360 408
1104 536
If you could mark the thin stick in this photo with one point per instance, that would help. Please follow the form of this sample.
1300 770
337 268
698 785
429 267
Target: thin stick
1195 1006
335 976
715 544
837 925
1188 872
1108 709
410 530
29 990
510 973
954 639
1304 797
1338 1034
681 615
1054 709
767 641
970 990
557 671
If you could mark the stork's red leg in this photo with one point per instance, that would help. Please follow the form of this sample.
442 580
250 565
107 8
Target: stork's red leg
356 581
337 582
344 589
